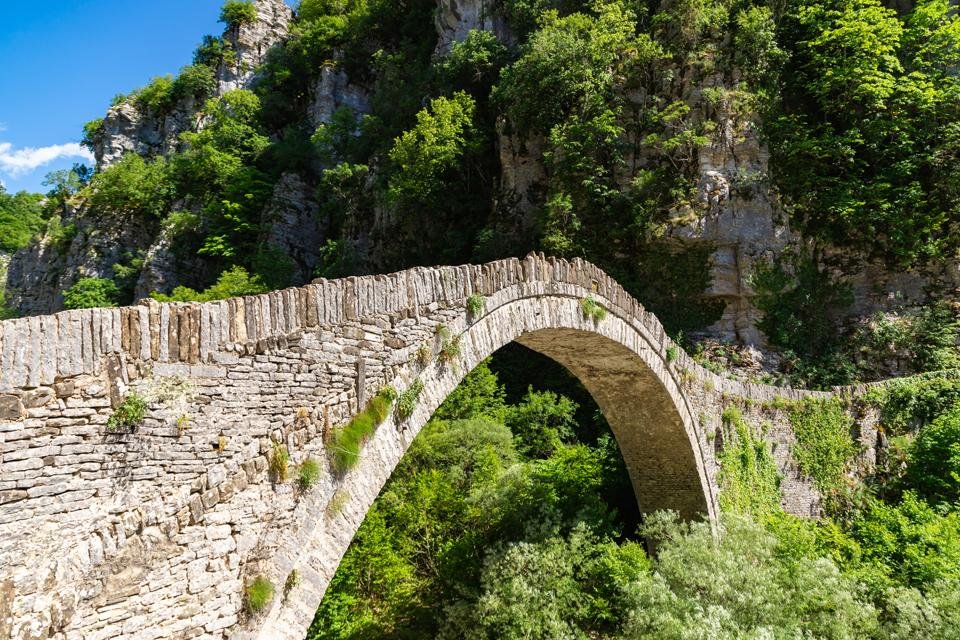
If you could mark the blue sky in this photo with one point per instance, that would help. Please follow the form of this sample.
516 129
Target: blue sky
62 61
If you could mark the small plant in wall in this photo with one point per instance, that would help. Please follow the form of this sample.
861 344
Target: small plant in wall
449 345
592 309
293 579
672 353
476 304
279 463
259 594
337 503
182 422
309 474
409 399
346 442
129 414
424 355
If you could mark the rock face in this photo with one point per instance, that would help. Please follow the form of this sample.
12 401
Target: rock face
129 129
293 224
456 18
251 42
154 531
88 246
332 91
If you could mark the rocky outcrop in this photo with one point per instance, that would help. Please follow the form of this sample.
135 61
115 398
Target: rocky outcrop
129 128
84 245
333 91
251 42
456 18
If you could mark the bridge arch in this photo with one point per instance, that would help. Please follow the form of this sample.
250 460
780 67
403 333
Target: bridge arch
154 531
614 358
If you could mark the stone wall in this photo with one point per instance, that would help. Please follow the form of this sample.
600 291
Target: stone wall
152 532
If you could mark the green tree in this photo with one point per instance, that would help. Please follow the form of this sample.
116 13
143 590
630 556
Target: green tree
133 187
89 293
238 12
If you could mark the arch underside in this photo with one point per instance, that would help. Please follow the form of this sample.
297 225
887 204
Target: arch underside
644 418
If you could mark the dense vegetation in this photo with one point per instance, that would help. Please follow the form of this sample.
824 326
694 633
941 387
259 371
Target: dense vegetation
510 518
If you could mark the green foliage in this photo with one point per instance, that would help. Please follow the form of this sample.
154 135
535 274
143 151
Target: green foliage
800 302
473 63
308 474
279 463
129 414
89 293
909 403
449 346
213 52
672 352
424 155
259 594
409 398
749 477
479 394
158 96
238 12
864 135
541 423
741 587
824 444
934 462
133 187
293 579
92 134
593 310
232 283
21 219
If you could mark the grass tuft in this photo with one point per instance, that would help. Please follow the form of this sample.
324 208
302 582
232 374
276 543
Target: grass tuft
476 305
260 594
309 474
409 399
279 463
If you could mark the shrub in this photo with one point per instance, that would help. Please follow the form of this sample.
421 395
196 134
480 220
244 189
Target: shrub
672 353
92 134
408 400
592 309
309 474
912 402
129 414
238 12
21 218
133 186
232 283
934 459
158 96
195 81
293 579
89 293
259 594
476 305
279 467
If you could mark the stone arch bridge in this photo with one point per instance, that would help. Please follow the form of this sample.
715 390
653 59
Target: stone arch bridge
153 532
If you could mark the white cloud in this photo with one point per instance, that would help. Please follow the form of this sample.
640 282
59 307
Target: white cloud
17 162
3 127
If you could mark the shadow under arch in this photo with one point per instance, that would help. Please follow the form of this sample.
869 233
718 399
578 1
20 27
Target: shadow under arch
616 360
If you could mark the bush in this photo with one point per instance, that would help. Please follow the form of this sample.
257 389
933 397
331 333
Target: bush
934 459
346 442
158 96
134 187
259 594
476 305
232 283
238 12
21 219
749 476
542 423
90 293
129 414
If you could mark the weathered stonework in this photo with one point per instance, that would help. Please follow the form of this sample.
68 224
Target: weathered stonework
153 532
